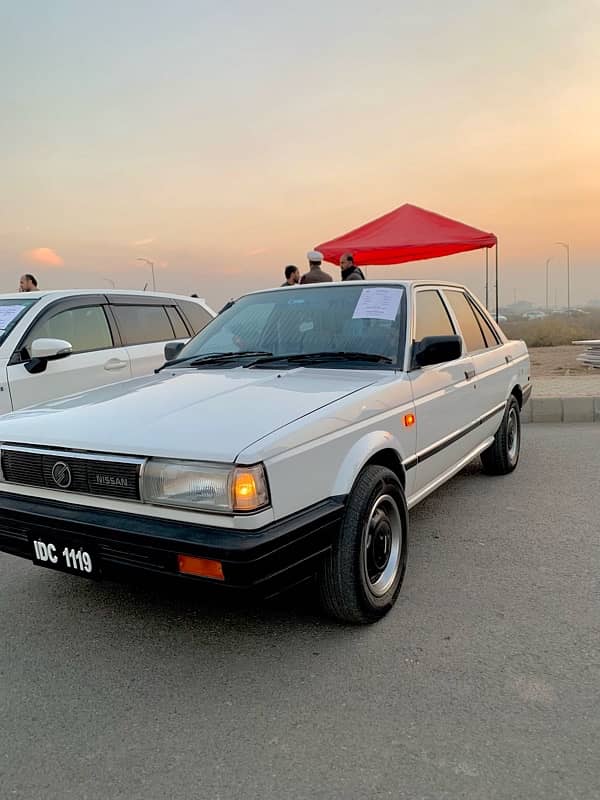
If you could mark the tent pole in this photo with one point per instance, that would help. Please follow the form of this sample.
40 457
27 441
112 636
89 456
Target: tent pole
496 280
487 280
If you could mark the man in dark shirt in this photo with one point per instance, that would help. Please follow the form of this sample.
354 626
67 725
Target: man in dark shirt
315 274
292 275
350 272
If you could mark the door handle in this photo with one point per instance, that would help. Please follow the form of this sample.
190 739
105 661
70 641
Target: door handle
469 374
114 364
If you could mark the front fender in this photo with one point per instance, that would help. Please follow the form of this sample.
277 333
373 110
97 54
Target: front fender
365 450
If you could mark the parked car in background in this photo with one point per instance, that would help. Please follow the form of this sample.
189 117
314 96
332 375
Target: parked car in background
63 342
577 312
287 440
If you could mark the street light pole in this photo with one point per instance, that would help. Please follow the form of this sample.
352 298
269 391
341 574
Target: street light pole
548 260
567 248
151 263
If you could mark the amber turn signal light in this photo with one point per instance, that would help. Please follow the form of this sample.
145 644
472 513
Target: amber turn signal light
203 567
249 488
409 419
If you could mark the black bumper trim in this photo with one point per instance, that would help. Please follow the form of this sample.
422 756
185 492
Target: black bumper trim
279 553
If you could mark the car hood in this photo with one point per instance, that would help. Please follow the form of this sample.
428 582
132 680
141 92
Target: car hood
208 415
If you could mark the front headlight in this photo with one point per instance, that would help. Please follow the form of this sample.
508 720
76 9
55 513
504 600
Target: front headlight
207 487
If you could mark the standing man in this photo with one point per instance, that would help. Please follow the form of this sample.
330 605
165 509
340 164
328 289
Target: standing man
292 275
28 283
350 272
315 274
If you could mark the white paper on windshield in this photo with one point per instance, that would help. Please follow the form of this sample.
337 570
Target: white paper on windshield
7 314
378 302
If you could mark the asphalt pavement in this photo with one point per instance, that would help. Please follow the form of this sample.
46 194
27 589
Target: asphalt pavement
483 682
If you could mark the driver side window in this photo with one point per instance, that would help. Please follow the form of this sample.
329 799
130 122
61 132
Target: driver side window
85 328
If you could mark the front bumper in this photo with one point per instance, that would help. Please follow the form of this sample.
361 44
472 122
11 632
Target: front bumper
268 559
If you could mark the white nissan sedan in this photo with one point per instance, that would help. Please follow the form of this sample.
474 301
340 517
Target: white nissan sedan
287 440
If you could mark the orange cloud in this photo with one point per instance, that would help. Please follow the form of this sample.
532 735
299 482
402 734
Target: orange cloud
141 242
43 255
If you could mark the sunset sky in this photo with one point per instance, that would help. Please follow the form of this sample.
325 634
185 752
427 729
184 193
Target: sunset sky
224 139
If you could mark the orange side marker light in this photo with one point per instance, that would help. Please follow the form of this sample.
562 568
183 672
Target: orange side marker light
203 567
409 419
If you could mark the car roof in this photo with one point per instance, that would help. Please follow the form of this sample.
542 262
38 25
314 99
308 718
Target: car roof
58 293
408 283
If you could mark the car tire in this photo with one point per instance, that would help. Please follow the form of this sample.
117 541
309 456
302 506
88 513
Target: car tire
503 455
361 577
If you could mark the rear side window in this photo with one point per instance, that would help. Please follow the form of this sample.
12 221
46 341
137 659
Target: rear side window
179 328
143 324
465 315
488 332
197 316
432 317
85 328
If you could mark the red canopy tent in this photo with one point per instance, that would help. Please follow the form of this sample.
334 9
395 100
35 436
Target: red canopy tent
409 233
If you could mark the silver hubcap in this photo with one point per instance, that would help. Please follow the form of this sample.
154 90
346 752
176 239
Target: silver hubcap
382 545
512 436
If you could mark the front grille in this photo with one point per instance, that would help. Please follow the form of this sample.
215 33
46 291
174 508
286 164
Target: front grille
69 473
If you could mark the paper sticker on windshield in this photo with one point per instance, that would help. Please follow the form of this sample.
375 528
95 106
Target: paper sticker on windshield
378 302
8 314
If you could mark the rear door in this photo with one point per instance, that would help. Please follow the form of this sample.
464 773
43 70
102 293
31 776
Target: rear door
145 328
444 396
97 357
485 348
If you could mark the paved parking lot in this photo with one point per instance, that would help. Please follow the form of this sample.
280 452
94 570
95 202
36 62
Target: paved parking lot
482 683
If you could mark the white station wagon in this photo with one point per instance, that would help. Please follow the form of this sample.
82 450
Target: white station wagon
61 342
288 440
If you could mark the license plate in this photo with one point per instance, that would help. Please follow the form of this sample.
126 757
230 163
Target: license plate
64 555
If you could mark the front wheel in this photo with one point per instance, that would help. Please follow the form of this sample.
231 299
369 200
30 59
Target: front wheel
502 456
361 577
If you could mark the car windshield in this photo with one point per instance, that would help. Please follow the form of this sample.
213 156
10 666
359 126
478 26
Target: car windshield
368 319
11 311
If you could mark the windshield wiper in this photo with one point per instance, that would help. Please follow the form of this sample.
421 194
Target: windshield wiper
175 361
322 357
222 358
213 358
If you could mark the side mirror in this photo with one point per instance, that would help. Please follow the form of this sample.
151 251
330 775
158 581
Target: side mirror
51 349
172 350
45 350
436 350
